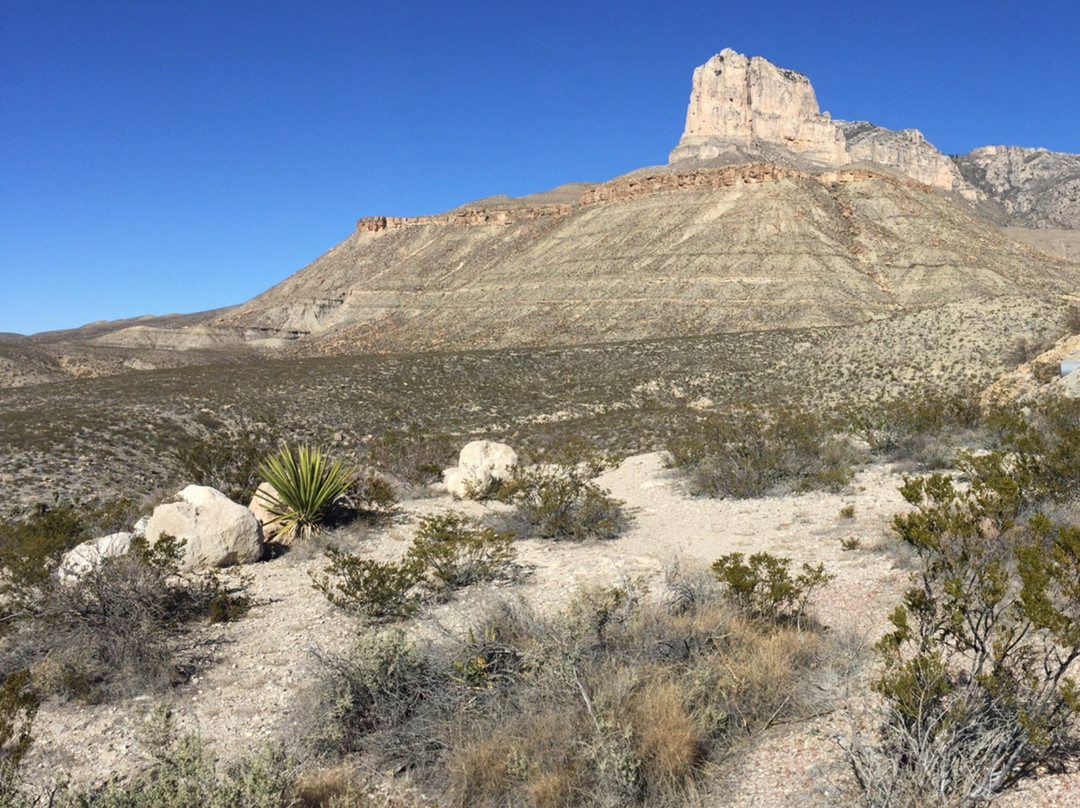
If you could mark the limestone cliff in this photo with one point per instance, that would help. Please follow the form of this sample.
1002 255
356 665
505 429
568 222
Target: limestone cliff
748 108
1031 187
736 101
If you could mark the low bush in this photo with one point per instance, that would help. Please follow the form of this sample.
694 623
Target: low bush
618 700
762 586
559 499
184 774
754 454
977 687
30 551
368 587
18 706
922 429
458 550
370 496
376 687
113 631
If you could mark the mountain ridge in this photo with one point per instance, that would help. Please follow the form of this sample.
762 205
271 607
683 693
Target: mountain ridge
769 214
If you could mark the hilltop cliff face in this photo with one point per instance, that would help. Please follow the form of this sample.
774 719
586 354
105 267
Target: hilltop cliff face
743 107
747 108
737 103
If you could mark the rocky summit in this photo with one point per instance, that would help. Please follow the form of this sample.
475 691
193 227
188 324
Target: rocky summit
768 215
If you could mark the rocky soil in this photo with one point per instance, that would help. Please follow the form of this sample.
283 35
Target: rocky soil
255 686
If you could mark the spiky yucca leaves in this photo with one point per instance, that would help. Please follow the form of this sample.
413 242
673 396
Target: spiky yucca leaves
307 484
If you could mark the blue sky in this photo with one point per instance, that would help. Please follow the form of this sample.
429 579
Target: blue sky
161 156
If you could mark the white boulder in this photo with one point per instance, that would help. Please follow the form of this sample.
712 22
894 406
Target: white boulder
216 531
264 493
88 556
482 464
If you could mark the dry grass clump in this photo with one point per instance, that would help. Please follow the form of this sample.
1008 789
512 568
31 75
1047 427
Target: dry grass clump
621 699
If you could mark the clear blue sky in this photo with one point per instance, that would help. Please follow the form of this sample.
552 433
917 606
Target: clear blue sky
160 156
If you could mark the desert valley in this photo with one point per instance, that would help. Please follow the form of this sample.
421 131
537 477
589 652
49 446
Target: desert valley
751 479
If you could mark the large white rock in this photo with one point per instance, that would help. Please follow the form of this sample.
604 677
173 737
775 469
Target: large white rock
88 556
482 465
217 532
258 506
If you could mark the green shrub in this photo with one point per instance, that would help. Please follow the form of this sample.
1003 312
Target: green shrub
370 496
30 551
921 428
114 630
754 454
377 686
308 485
368 587
184 775
558 499
458 550
976 684
762 586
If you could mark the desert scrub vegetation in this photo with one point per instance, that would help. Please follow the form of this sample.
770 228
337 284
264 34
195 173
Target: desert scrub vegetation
922 430
307 485
619 699
1071 320
413 455
18 707
558 498
977 687
758 453
185 773
458 550
112 631
762 586
227 457
449 550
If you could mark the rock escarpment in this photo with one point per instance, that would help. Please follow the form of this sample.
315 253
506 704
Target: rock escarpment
744 107
747 109
740 102
1032 187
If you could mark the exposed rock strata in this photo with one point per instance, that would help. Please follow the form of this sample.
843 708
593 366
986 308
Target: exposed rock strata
1033 187
469 217
740 106
737 100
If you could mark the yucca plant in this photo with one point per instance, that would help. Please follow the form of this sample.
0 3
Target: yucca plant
306 486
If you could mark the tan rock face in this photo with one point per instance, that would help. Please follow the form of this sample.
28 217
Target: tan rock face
743 109
906 151
740 100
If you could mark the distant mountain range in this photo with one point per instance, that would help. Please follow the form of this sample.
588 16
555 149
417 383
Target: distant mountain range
769 215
